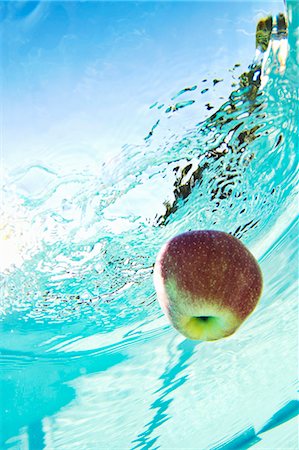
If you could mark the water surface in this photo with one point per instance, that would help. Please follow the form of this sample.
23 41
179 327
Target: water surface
88 360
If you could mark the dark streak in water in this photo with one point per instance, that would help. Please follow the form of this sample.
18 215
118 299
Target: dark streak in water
170 382
287 412
152 130
179 105
182 91
216 81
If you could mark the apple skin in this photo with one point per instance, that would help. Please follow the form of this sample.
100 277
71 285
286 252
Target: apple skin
207 283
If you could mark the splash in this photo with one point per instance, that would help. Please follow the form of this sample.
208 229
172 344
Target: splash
82 244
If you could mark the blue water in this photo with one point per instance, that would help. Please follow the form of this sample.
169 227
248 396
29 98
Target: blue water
88 361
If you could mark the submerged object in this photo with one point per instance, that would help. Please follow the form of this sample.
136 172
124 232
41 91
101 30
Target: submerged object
207 283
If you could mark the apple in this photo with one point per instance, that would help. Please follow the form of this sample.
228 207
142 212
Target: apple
207 283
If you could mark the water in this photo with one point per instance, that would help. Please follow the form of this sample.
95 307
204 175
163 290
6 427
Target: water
88 360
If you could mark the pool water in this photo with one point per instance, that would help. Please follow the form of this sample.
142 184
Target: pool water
125 124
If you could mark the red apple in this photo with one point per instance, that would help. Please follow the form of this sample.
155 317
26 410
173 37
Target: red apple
207 283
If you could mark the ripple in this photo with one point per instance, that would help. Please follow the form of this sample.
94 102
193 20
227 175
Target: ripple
83 242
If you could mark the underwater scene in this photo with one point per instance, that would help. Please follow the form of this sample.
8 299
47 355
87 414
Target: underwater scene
125 124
